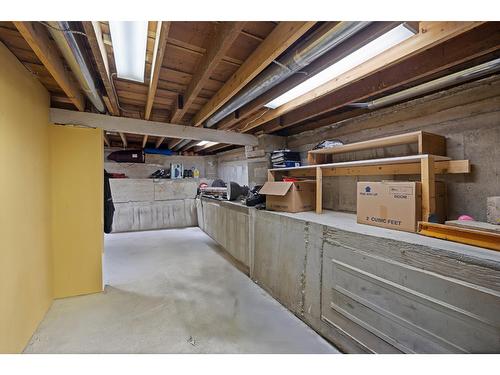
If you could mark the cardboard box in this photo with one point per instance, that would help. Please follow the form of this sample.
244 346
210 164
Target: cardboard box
290 196
395 205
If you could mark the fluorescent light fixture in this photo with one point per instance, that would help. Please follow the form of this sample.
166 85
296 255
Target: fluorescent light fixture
129 40
369 50
206 143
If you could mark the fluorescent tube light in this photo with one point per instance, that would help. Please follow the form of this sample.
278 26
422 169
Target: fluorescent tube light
369 50
129 40
206 143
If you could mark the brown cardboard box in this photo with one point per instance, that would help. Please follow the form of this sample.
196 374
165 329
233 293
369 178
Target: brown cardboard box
395 205
290 196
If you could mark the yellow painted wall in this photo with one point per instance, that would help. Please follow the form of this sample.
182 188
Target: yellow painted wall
51 206
25 256
77 209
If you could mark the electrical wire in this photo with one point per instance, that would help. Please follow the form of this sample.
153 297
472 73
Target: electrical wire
117 101
255 119
63 30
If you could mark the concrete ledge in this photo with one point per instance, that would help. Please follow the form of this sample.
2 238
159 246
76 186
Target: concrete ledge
368 289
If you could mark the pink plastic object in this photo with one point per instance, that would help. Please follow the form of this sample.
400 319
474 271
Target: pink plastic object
465 218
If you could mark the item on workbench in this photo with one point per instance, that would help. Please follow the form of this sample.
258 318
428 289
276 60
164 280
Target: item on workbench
329 143
285 159
396 204
235 190
160 173
196 172
188 173
127 156
254 198
176 171
290 196
218 183
465 218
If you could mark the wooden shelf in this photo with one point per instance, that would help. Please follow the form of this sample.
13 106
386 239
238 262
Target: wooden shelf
428 143
427 166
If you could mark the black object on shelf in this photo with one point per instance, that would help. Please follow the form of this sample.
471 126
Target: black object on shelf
127 156
285 158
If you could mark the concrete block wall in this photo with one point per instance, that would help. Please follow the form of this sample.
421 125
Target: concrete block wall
207 165
145 204
466 115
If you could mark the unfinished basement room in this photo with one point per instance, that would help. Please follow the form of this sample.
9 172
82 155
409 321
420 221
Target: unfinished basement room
249 187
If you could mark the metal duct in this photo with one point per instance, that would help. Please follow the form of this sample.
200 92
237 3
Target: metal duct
292 62
181 144
449 80
69 48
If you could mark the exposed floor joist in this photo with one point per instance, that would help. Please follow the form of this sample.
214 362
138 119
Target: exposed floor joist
158 129
282 37
45 49
431 34
224 37
355 42
481 41
162 30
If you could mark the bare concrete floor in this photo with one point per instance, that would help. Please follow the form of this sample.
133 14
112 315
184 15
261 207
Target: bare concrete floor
169 291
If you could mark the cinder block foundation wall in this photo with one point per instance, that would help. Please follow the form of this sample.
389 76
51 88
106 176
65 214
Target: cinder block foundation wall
51 206
467 115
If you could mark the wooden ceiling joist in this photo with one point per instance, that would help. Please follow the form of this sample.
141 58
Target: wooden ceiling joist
355 42
224 37
162 30
481 41
173 143
45 49
283 35
431 34
158 129
123 137
96 42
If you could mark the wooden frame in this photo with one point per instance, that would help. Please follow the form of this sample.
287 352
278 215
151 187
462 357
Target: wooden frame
467 236
158 129
425 165
428 143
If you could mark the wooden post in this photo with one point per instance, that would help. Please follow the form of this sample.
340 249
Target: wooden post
428 186
270 176
319 190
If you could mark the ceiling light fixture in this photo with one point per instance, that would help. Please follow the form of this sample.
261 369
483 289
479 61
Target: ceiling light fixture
361 55
206 143
129 40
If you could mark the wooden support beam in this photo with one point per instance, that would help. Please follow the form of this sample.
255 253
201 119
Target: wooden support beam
189 145
173 143
162 30
223 38
319 190
431 35
428 187
355 42
124 139
283 35
94 37
45 49
106 139
158 129
159 141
